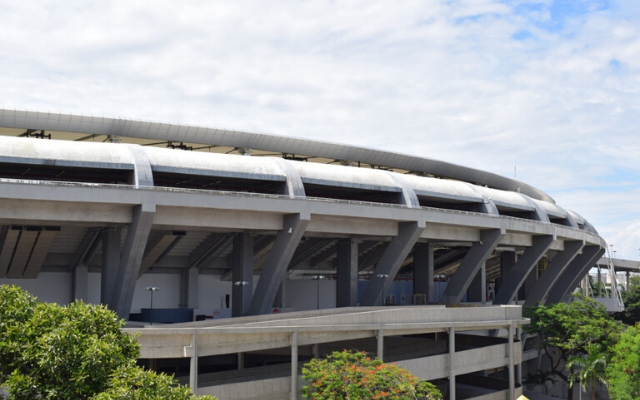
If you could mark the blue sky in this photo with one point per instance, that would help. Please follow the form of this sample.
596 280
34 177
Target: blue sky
551 88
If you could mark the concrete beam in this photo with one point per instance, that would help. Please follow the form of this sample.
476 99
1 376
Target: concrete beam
131 258
87 248
388 266
22 252
556 266
471 264
160 249
39 252
527 261
8 245
275 268
574 273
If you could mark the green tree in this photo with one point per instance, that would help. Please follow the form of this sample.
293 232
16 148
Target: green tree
623 372
589 369
48 351
356 376
631 299
567 331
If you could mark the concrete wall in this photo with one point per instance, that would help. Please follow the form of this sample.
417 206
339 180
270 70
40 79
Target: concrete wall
53 287
302 295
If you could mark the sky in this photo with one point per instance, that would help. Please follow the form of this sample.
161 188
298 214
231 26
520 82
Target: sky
546 91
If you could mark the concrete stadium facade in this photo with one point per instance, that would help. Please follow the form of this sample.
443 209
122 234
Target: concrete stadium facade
99 209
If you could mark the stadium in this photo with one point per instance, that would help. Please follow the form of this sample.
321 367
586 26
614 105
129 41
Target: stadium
263 251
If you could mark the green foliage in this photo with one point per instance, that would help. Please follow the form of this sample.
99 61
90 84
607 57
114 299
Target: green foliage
567 331
138 384
589 369
355 376
623 372
48 351
631 299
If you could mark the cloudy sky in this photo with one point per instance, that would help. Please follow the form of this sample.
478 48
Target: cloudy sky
547 91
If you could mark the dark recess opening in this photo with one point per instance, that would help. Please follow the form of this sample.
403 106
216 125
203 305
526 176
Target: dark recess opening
353 194
560 221
65 174
448 205
517 214
185 181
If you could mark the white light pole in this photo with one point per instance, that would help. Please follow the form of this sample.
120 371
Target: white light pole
152 289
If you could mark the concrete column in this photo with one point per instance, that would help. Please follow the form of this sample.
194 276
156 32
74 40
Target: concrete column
380 344
423 262
316 350
275 267
471 264
526 262
240 360
512 386
452 363
294 365
193 276
80 283
193 365
477 292
110 264
347 283
281 296
242 274
599 282
391 261
520 335
507 261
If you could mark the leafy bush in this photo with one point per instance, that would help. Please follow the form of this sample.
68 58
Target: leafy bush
48 351
354 375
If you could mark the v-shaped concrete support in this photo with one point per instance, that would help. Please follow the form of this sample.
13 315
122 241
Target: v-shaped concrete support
557 265
470 265
527 261
131 258
275 268
574 272
388 266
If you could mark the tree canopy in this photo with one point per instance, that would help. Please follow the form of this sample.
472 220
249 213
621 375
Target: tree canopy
356 376
631 299
623 372
570 332
79 351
